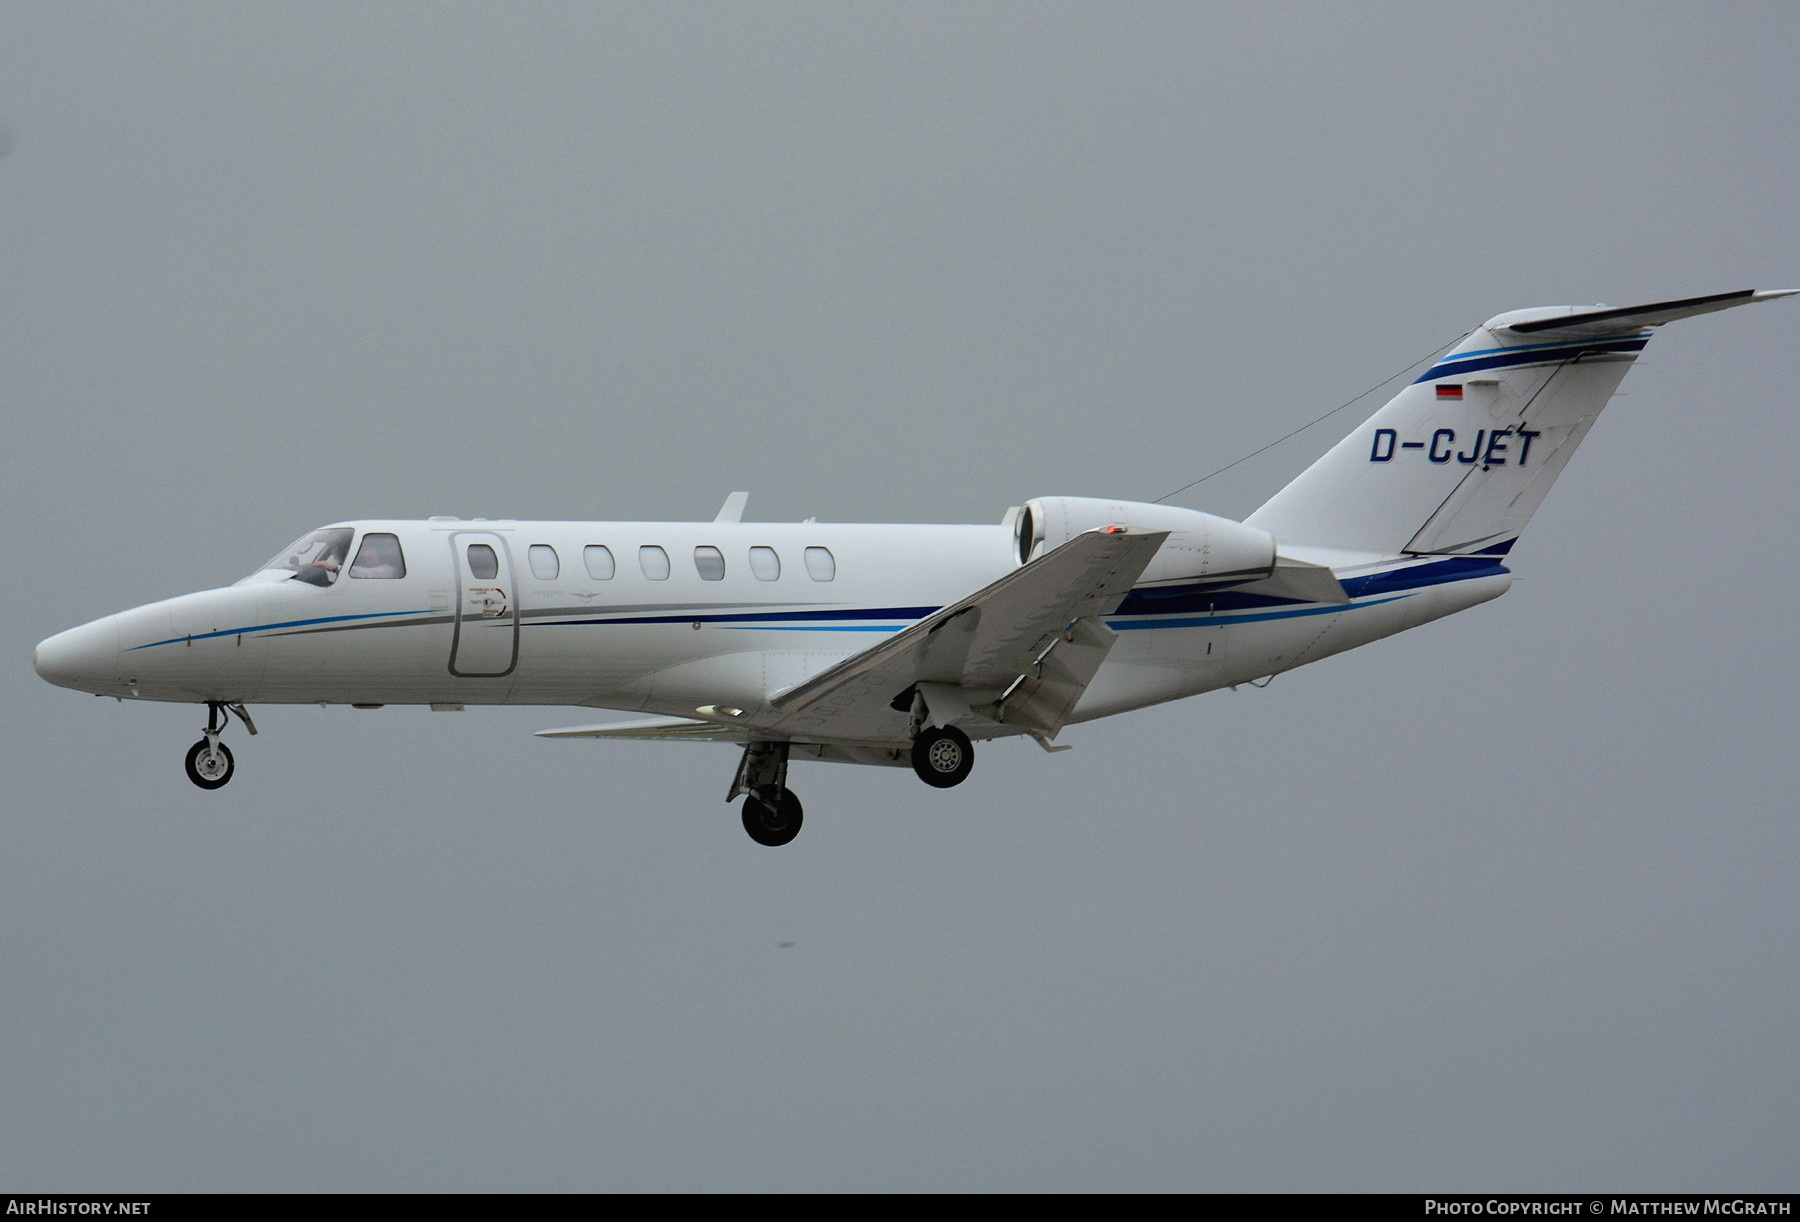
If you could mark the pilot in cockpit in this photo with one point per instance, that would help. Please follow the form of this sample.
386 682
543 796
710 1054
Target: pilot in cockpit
379 556
331 560
319 557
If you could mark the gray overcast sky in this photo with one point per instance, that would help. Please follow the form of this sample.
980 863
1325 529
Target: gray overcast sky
1505 903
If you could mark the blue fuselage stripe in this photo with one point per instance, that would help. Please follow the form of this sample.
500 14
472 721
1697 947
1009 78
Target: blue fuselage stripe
293 623
800 619
1219 621
1162 607
815 627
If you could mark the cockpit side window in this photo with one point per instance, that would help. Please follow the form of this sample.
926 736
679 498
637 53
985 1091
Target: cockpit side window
379 556
316 558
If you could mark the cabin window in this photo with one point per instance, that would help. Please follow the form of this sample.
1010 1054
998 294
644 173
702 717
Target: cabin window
710 561
765 564
484 565
654 561
316 558
544 563
379 556
820 565
599 561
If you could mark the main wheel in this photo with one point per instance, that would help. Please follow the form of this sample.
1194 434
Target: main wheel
772 823
209 767
942 756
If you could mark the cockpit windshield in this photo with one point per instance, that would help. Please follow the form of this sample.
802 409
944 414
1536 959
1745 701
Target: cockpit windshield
315 559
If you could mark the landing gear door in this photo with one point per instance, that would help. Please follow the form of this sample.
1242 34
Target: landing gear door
485 628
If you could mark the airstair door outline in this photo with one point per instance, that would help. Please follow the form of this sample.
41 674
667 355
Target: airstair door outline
484 642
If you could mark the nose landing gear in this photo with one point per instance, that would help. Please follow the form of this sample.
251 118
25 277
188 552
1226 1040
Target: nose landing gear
209 763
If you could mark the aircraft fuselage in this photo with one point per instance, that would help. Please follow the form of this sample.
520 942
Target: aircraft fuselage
667 618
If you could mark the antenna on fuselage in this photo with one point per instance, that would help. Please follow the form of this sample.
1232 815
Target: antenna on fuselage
733 508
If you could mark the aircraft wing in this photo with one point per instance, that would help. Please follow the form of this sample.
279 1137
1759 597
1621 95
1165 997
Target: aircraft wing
975 650
673 729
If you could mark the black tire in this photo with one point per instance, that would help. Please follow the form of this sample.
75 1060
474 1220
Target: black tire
209 770
773 823
943 756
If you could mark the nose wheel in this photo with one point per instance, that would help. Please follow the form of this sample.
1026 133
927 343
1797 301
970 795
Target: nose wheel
209 762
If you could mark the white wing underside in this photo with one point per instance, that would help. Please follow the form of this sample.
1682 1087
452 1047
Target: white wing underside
673 729
1012 658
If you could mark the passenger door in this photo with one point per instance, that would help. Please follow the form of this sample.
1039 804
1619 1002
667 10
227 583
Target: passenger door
484 642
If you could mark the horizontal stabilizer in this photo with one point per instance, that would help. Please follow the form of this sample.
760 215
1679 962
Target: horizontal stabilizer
1605 320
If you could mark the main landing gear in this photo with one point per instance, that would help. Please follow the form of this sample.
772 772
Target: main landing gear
772 821
942 756
772 813
209 762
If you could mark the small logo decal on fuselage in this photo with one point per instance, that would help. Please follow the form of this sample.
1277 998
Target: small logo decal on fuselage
490 600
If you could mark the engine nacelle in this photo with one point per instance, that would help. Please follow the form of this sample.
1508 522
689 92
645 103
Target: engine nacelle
1200 547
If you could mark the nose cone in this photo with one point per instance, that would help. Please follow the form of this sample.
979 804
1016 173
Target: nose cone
84 658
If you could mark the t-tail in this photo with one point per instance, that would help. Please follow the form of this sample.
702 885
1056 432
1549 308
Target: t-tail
1458 461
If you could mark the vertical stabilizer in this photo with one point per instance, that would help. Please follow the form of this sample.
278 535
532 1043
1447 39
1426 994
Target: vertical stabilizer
1457 462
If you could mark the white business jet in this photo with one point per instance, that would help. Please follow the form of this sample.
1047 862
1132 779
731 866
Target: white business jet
899 645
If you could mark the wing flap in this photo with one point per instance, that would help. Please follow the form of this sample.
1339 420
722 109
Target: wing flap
1045 695
982 644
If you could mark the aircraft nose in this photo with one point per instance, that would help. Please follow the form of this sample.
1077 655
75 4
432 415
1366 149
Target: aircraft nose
84 658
